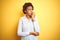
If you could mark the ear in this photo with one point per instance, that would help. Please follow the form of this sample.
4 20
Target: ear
25 11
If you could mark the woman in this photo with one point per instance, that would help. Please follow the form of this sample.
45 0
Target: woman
28 27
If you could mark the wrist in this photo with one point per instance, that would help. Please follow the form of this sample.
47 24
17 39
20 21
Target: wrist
30 33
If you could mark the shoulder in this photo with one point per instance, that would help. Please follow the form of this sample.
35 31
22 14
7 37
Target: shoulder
36 18
22 18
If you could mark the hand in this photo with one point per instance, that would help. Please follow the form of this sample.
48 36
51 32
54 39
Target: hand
34 33
33 16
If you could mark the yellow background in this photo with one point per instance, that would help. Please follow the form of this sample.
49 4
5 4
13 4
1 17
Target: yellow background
47 12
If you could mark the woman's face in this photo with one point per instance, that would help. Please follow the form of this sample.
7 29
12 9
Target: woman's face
29 11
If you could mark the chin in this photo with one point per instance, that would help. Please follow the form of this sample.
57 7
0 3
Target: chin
29 15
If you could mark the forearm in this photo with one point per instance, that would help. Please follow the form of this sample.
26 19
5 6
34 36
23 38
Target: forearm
23 33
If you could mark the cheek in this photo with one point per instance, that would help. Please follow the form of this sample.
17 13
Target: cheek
29 12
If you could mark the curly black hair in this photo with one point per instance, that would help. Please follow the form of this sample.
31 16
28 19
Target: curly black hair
27 5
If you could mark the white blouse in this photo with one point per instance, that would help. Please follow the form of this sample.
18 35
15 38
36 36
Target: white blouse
26 26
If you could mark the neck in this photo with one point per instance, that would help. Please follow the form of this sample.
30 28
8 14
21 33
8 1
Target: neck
28 17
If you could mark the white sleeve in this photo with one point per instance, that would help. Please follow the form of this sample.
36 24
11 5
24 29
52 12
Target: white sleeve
19 31
36 25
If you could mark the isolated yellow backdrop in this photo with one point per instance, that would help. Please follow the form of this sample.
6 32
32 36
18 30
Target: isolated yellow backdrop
47 12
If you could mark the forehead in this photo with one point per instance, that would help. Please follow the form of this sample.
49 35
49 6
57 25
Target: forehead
29 7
